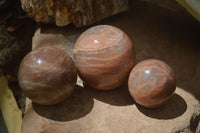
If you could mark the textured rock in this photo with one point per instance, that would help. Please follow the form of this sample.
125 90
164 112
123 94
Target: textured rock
87 111
193 126
78 12
14 46
157 33
7 41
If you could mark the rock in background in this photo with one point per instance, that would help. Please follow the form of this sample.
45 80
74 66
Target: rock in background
78 12
14 46
16 31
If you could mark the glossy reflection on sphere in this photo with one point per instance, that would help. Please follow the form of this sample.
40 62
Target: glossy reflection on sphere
151 83
104 56
47 75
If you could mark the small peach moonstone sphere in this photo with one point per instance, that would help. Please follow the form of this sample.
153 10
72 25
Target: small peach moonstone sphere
47 75
104 57
151 83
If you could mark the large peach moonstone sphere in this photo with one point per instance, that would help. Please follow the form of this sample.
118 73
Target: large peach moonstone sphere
47 75
104 56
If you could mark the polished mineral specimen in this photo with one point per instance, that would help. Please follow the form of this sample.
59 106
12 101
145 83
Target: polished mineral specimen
47 75
151 83
104 56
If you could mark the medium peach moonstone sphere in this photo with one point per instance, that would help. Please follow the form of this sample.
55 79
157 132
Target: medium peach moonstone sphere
47 75
104 56
151 83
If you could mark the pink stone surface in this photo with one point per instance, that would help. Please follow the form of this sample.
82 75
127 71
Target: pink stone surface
151 83
47 75
104 56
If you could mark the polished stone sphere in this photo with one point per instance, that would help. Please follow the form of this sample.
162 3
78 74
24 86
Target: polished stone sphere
151 83
47 75
104 57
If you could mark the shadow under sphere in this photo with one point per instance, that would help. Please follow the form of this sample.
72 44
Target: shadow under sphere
74 107
118 97
175 107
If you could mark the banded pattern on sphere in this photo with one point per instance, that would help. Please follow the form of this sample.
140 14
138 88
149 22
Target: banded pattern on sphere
151 83
104 56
